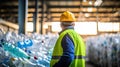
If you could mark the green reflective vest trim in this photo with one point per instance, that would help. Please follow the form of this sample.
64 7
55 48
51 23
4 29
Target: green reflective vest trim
79 49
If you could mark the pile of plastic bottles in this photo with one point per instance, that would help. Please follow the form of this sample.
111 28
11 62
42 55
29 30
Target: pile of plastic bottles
104 50
26 51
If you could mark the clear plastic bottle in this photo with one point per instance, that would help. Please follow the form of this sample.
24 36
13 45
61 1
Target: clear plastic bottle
15 51
24 44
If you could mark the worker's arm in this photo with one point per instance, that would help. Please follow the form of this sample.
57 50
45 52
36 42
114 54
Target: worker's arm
68 52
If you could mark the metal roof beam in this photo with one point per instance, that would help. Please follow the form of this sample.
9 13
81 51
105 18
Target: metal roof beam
92 17
49 6
83 6
14 7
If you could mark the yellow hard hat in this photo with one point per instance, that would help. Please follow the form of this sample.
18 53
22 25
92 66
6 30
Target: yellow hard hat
67 16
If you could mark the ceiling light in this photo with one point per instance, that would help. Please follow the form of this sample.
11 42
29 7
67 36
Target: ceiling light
89 9
84 0
86 15
98 2
90 2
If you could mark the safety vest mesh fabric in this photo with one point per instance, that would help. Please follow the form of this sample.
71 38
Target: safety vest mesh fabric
79 49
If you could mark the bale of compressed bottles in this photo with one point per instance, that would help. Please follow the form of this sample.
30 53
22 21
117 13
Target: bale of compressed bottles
26 51
104 50
115 49
5 57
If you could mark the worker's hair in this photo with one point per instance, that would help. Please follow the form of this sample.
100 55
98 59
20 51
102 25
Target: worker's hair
67 24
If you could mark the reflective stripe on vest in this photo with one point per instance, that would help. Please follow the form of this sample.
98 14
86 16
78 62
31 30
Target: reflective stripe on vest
75 57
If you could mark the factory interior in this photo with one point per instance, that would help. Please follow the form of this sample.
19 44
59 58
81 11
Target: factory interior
31 27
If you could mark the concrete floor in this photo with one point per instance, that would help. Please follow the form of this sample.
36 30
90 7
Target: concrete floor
89 64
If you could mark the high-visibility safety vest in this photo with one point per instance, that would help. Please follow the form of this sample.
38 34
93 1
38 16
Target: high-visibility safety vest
79 49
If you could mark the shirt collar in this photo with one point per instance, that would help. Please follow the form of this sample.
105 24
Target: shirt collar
69 27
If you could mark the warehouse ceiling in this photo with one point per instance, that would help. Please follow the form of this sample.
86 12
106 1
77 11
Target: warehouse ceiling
84 10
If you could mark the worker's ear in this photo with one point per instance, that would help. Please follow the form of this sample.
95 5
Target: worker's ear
73 24
61 24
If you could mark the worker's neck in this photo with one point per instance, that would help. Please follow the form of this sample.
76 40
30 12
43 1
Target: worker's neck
68 27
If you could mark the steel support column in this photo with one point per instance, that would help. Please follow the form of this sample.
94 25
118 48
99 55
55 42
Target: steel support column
22 15
97 17
35 16
42 18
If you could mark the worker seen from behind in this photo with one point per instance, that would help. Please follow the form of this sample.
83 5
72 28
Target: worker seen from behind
69 50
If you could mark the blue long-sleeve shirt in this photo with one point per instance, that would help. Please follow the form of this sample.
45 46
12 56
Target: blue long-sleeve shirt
68 52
